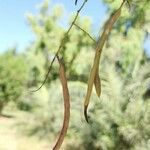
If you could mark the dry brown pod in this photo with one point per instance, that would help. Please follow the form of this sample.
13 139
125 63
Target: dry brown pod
66 97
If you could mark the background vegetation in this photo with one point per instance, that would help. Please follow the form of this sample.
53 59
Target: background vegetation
119 120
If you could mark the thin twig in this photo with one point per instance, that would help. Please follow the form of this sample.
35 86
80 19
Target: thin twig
85 33
61 44
76 2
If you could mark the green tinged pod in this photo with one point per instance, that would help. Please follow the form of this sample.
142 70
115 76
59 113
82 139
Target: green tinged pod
94 77
97 83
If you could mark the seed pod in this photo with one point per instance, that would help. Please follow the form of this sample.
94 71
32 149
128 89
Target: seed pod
66 105
93 74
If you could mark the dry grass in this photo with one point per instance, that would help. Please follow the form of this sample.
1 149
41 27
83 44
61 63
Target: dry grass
11 139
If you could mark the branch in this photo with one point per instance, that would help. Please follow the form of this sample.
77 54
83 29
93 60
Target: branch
76 1
85 32
61 44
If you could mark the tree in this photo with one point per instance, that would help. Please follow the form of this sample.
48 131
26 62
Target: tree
13 77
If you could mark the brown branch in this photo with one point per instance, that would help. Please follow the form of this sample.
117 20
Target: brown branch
61 44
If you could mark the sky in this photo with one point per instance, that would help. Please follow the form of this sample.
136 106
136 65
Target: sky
16 32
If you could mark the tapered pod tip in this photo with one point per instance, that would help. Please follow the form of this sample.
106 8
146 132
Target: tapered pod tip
85 114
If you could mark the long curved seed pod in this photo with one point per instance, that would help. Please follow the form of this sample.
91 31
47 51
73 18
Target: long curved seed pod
66 105
107 28
90 84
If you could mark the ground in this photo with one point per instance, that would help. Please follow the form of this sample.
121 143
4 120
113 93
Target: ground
12 139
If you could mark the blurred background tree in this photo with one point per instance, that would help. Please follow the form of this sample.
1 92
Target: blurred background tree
13 77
